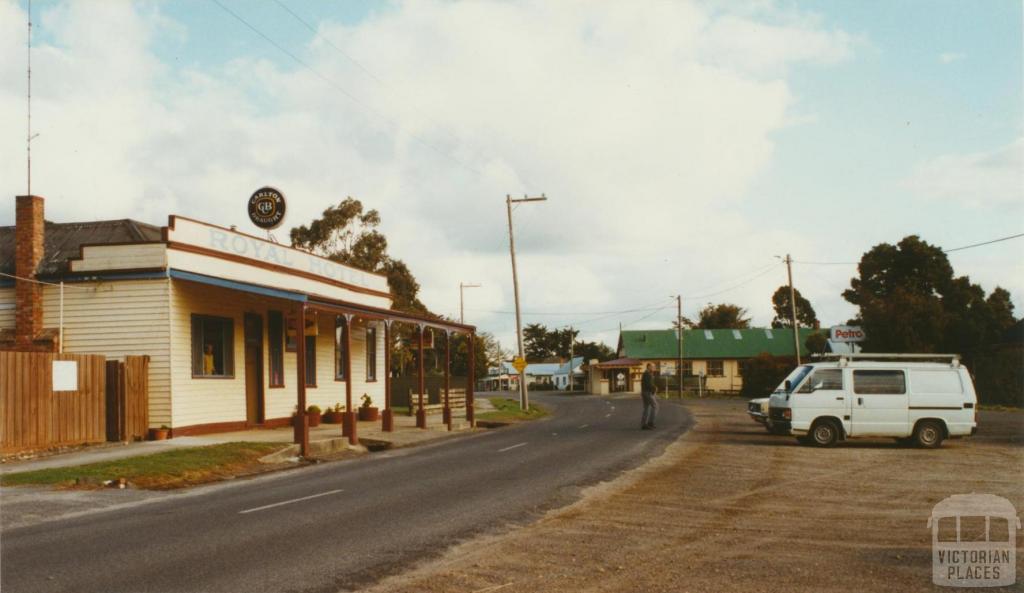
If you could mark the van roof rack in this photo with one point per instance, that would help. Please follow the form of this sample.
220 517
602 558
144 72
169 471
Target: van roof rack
953 359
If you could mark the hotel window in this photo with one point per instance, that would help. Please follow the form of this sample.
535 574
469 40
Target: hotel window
371 354
275 335
310 361
715 368
213 341
741 367
687 368
340 348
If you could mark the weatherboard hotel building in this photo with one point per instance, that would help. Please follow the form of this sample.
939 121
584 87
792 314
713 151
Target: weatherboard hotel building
217 312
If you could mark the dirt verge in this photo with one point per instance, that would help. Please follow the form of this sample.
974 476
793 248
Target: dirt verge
730 508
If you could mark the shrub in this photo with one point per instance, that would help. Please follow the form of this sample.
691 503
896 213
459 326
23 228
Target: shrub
999 377
314 409
763 373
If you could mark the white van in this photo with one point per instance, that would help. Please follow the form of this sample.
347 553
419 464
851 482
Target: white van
906 396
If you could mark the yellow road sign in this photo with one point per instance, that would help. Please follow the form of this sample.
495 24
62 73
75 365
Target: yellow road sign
519 364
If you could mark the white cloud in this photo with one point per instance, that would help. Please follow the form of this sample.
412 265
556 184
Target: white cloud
644 127
992 178
949 57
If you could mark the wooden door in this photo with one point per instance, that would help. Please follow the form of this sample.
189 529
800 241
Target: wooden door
253 368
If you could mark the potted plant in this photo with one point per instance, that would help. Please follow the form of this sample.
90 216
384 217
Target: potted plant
159 434
367 411
313 413
333 415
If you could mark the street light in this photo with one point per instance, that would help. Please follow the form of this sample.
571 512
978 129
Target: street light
524 398
462 311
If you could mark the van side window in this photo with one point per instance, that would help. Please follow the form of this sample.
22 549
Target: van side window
823 379
944 382
889 382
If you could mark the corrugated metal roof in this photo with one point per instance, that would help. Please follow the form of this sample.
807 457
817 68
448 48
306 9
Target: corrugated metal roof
710 343
539 369
564 369
63 240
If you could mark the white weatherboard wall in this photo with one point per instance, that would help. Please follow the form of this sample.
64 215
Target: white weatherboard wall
116 319
121 257
206 401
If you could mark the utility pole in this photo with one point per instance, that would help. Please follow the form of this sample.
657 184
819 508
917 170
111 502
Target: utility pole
792 308
679 323
524 398
462 310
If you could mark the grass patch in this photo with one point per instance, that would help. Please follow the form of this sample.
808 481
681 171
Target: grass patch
507 410
168 469
999 408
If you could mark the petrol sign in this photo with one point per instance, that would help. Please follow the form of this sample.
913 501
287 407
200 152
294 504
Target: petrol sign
847 333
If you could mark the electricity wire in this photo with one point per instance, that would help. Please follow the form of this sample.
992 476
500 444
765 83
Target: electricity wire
341 89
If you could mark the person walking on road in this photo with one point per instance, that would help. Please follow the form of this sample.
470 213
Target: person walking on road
648 391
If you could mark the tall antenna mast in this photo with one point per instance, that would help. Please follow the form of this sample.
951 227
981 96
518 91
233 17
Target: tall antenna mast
28 136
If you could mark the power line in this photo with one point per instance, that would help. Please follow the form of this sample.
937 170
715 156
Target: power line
348 57
854 263
33 280
634 322
735 286
341 89
558 313
984 243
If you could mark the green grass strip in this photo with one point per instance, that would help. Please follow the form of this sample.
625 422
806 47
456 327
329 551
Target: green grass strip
508 409
166 465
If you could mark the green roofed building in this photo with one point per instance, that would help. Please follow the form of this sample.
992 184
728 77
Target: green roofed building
717 354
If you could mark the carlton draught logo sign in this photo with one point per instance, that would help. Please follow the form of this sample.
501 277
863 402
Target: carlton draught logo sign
266 208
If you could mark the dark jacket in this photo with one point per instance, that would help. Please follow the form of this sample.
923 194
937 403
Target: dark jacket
647 383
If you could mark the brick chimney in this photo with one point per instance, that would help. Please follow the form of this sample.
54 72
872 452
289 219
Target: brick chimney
28 252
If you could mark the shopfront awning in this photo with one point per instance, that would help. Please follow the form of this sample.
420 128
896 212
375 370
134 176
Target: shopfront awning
369 312
322 304
276 293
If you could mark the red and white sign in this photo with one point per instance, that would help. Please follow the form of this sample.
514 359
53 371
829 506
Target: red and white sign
847 333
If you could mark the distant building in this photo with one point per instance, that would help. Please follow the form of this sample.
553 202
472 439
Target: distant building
505 378
716 354
569 373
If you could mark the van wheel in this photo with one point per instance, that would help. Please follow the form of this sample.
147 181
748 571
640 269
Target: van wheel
824 433
928 434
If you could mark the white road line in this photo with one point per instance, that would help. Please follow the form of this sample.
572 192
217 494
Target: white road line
583 425
512 447
607 415
277 504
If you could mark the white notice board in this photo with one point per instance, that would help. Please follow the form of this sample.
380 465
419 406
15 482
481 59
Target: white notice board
65 375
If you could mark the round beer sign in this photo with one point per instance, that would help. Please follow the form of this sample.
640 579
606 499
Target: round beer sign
266 208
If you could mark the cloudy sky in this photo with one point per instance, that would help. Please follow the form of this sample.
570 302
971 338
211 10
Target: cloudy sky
682 145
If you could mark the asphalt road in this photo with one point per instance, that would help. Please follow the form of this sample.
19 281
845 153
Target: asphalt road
339 525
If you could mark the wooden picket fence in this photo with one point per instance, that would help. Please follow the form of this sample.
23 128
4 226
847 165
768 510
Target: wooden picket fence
111 402
35 416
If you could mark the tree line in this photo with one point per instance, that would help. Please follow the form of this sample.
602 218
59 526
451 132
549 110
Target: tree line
907 296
